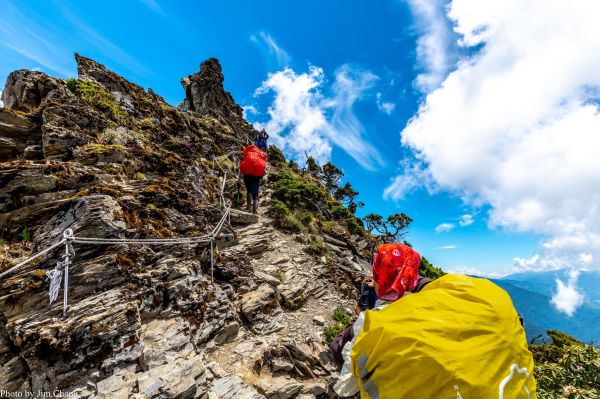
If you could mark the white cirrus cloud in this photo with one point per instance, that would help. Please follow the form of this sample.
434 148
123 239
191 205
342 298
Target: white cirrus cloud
435 53
567 298
447 247
266 41
516 125
302 120
444 227
153 5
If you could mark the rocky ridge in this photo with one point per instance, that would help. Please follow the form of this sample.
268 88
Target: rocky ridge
106 158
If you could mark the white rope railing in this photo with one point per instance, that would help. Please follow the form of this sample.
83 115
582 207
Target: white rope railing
55 276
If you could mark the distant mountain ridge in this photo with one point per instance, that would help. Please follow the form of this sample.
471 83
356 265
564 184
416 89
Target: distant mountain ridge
532 292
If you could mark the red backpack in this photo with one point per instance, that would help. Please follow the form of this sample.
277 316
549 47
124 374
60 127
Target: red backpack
254 161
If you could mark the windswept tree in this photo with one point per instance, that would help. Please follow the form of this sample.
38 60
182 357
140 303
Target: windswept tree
312 167
331 176
347 196
390 230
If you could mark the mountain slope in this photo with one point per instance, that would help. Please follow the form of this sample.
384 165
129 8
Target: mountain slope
540 315
108 159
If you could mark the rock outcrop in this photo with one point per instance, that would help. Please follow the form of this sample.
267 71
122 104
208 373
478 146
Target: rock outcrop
205 95
108 159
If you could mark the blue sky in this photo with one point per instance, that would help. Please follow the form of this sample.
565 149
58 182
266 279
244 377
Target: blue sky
351 81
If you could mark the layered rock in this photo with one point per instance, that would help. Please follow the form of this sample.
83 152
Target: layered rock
205 95
108 159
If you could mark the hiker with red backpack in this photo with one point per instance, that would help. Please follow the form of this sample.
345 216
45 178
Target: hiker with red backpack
252 170
459 337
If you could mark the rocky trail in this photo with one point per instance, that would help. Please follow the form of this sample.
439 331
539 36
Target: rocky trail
108 159
280 348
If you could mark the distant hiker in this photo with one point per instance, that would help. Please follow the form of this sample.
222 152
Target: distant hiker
460 337
261 140
252 169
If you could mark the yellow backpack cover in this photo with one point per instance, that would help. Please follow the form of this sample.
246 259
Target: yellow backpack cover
460 337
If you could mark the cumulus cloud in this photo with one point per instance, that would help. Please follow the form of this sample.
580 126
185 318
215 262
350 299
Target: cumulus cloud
434 46
444 227
567 299
516 125
466 220
267 42
305 121
586 258
385 107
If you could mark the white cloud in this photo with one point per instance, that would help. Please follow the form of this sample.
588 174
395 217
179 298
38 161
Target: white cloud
567 299
385 107
22 35
466 220
413 176
472 271
267 42
434 46
586 258
44 43
444 227
304 121
516 125
447 247
249 110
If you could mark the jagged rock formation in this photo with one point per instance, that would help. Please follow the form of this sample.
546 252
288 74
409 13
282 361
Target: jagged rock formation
106 158
205 95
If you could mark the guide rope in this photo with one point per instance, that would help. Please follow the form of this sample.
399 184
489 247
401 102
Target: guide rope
61 270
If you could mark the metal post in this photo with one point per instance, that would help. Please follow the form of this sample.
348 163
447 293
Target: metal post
212 261
65 292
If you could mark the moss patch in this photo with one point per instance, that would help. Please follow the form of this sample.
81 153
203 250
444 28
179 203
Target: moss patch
97 97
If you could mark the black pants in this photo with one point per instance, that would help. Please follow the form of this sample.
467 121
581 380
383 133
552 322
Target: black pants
252 184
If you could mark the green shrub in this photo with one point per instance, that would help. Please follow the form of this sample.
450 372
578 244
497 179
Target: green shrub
315 246
276 157
571 370
426 269
354 226
297 192
140 176
332 331
304 217
122 136
342 316
26 235
72 85
278 209
278 275
561 339
96 96
283 217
